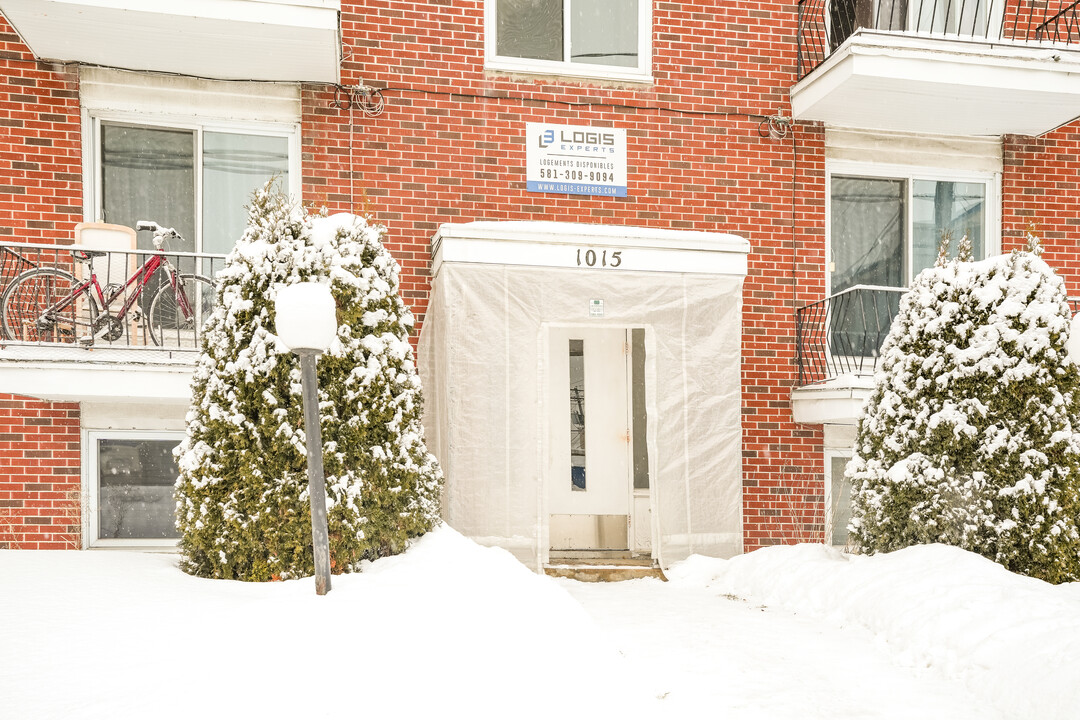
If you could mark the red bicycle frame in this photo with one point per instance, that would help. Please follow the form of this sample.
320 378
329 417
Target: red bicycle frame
142 277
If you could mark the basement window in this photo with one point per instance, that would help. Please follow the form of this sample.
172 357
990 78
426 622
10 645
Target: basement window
838 495
131 480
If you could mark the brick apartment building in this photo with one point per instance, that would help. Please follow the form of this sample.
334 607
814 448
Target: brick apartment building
679 230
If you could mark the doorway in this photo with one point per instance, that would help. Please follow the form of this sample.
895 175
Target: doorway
597 475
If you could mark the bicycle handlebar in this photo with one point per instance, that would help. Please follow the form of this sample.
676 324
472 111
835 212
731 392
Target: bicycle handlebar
160 233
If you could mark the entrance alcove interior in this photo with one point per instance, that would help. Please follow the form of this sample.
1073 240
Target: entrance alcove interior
496 353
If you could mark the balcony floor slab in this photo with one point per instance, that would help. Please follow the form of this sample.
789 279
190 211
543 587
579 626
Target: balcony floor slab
76 374
947 86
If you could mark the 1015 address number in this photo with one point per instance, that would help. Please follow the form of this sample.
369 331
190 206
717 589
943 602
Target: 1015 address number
590 258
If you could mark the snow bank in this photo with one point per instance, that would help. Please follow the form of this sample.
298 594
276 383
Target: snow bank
449 628
1012 640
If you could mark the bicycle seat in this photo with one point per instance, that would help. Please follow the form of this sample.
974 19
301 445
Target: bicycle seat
83 255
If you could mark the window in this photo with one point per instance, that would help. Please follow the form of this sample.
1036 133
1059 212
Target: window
195 179
577 414
883 231
590 38
838 514
130 481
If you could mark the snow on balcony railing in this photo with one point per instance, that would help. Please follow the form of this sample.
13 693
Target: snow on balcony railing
825 24
67 295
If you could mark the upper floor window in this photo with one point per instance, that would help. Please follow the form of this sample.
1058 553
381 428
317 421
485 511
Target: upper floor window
884 230
194 178
968 19
185 152
587 38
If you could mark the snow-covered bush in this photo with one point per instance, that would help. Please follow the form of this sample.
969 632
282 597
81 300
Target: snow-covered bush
242 505
972 435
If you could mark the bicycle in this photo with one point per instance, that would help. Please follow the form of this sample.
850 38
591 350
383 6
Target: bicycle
47 304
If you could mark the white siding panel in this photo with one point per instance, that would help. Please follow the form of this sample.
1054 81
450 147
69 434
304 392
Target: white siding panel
163 96
952 153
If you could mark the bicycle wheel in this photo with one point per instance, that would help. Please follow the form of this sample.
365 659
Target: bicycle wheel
40 305
168 324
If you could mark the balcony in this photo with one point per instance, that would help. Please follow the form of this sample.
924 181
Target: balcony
946 67
78 325
837 346
278 40
837 343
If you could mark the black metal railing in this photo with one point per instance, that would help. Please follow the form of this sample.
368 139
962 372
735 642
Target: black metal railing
1061 27
825 24
843 334
42 300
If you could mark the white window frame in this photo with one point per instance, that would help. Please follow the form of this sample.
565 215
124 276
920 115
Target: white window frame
642 73
91 493
92 169
992 181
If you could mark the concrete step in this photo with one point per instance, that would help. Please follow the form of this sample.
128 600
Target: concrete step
603 570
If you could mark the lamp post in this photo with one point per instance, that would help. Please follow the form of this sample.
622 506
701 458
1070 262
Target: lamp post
307 323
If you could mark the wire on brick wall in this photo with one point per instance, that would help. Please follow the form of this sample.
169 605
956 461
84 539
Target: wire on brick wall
367 100
794 229
775 126
360 96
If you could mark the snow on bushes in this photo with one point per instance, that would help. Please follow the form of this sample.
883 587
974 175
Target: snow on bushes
242 505
972 435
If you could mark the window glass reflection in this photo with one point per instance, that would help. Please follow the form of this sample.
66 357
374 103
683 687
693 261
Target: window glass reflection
604 32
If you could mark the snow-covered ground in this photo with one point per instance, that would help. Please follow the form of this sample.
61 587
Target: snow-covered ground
451 629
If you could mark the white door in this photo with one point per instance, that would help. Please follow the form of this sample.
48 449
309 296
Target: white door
588 478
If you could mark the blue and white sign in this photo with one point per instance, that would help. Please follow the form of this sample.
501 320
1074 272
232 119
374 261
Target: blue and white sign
575 159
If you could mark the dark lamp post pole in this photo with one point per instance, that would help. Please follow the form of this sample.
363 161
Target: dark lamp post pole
320 541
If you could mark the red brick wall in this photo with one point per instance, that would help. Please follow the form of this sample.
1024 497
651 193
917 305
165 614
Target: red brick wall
449 148
40 156
40 495
40 200
1040 186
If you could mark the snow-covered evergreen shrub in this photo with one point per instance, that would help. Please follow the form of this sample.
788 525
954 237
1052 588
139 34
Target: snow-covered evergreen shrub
242 505
971 435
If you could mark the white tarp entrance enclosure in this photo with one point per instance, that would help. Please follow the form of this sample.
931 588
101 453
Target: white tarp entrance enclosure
508 398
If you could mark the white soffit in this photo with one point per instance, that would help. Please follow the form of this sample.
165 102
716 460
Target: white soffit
837 402
583 246
76 374
949 153
919 84
282 40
